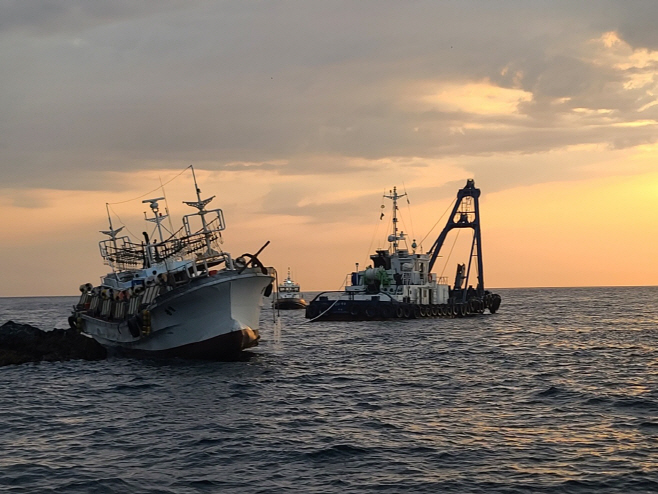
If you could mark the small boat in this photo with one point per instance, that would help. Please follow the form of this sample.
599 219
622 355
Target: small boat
288 295
175 295
400 284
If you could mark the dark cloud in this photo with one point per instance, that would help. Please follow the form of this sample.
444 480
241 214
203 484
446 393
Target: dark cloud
94 86
48 17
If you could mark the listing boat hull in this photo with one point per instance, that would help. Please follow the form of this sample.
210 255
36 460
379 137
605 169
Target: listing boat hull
214 317
175 293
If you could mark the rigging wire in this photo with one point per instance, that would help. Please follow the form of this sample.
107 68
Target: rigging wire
437 221
164 194
161 187
374 234
450 253
121 221
157 188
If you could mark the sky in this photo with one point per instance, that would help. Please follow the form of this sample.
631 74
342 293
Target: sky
300 115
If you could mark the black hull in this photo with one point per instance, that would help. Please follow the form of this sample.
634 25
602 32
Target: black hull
223 347
288 304
367 310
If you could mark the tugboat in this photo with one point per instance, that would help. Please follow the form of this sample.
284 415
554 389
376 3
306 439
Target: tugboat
175 296
400 283
288 296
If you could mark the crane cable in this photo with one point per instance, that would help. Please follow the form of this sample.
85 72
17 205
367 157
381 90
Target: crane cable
450 253
437 221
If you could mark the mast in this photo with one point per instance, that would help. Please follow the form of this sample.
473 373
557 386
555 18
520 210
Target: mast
112 233
394 238
200 205
157 217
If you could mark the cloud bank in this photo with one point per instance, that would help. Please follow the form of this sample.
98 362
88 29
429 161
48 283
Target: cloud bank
319 87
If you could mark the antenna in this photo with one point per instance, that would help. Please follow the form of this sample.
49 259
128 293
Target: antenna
157 216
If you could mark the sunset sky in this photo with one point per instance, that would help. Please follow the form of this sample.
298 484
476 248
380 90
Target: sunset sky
300 115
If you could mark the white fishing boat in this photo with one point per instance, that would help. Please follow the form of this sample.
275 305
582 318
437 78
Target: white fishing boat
288 295
399 283
175 294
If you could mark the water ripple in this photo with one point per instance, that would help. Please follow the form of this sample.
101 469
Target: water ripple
558 392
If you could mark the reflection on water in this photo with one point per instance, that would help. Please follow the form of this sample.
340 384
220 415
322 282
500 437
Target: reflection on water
557 392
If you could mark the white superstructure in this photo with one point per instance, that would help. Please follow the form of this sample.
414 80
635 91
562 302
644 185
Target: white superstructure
288 295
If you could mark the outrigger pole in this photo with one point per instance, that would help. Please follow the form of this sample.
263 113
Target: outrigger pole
463 222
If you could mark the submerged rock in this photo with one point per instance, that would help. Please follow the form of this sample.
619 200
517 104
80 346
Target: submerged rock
21 343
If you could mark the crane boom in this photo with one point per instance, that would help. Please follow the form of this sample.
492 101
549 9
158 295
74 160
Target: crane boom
463 217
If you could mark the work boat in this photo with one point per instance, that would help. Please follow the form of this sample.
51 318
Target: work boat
400 284
175 296
288 295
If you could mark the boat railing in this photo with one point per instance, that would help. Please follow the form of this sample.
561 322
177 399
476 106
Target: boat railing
121 253
193 245
185 246
214 226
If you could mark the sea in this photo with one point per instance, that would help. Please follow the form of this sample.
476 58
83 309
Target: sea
557 393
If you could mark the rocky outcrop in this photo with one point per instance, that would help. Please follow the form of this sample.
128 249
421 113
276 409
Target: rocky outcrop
20 343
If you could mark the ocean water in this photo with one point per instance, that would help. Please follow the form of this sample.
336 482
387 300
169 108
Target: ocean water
557 392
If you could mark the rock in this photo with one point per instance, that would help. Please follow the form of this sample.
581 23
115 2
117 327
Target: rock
20 343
